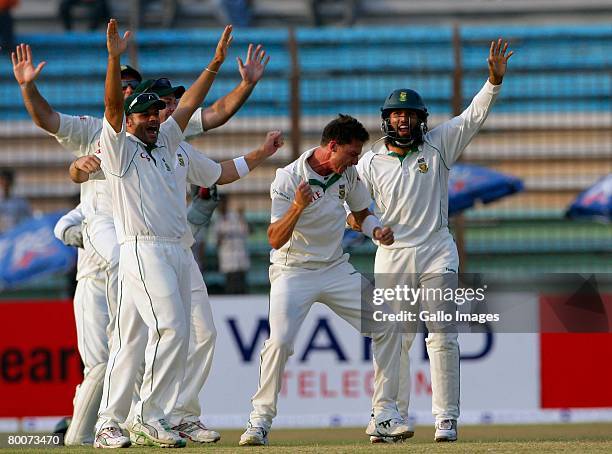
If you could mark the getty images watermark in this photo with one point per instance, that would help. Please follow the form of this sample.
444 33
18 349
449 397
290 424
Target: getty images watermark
432 298
489 302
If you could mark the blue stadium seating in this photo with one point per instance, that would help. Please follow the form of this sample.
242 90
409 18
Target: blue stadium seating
341 70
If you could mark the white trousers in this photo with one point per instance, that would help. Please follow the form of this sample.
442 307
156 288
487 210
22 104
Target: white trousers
293 291
91 318
153 313
427 265
201 349
101 247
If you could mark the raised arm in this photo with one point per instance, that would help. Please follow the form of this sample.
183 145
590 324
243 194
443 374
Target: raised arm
498 61
453 136
251 72
113 96
194 96
26 74
233 169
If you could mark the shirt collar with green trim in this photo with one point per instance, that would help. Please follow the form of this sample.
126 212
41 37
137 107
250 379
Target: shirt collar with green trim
306 172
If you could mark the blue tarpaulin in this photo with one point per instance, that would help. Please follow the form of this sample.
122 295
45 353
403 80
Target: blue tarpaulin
30 251
595 202
470 183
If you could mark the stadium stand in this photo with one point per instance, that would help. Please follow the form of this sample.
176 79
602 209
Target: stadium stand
551 126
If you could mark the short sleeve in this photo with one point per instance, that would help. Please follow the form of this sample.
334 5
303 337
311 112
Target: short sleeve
201 171
170 135
358 198
362 168
195 127
282 192
78 135
113 152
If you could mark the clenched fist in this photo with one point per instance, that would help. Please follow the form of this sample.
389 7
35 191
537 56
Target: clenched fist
303 195
274 140
384 235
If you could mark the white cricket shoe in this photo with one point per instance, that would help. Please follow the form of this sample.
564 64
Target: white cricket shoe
155 433
254 436
410 434
111 436
393 427
446 430
197 431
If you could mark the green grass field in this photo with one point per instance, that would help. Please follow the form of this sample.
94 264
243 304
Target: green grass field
553 438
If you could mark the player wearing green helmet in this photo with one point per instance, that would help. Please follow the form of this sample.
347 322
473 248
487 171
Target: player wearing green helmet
409 132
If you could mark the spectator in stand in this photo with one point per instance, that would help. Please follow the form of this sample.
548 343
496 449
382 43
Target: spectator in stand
13 210
99 12
232 231
7 37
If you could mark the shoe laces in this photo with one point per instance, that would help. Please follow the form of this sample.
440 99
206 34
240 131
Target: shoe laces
445 424
112 431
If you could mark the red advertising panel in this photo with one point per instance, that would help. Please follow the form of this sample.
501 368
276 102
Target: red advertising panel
39 361
576 367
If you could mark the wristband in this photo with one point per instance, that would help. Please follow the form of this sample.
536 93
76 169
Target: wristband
369 224
241 166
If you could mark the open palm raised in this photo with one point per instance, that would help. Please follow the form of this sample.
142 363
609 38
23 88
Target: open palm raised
114 43
498 61
23 65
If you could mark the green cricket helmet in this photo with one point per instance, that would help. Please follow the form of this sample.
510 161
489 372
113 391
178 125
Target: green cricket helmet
404 99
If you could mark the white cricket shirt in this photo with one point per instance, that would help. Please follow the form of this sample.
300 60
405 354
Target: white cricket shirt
81 136
193 167
316 240
411 193
147 199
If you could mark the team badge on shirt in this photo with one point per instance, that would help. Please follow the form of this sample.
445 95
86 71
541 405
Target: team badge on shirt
180 159
341 192
423 167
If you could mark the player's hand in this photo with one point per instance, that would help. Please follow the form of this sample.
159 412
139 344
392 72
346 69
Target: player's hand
384 235
223 44
73 236
274 140
498 61
352 222
114 43
253 68
303 195
23 65
89 164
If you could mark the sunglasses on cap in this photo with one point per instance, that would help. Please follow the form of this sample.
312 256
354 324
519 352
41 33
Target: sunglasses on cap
142 98
133 83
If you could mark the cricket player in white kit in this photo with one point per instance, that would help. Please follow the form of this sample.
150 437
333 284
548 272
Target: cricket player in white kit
407 176
97 267
308 265
97 264
192 167
154 273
